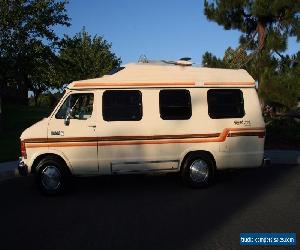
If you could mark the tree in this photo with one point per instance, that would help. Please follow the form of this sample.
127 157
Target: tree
274 21
209 60
41 78
82 57
265 27
281 85
26 39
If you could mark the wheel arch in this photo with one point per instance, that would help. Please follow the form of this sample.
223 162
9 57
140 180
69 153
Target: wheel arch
198 152
42 155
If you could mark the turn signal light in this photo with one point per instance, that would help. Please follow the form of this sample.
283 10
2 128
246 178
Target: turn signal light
23 150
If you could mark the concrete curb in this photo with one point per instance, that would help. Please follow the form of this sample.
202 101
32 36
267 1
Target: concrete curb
9 174
284 157
8 170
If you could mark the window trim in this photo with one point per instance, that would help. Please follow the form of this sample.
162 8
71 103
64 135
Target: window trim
176 118
141 108
226 117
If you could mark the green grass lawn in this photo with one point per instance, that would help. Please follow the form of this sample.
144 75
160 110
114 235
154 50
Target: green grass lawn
16 118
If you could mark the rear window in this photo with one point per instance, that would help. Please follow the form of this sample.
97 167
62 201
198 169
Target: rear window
175 104
122 105
225 103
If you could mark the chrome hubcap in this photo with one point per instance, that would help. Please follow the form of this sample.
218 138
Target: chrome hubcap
199 171
51 178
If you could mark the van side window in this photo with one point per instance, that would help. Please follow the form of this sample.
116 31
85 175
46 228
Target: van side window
225 103
78 106
175 104
122 105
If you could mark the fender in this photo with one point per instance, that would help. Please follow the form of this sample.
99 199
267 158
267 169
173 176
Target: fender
208 148
50 151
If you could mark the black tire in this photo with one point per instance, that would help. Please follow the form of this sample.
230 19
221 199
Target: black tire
52 175
190 167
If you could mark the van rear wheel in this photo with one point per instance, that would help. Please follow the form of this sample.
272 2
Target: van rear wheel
197 170
51 175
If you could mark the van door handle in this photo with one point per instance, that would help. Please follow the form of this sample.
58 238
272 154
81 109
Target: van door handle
92 126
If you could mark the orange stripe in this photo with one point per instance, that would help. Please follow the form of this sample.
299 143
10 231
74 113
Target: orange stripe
69 139
157 142
70 144
221 138
260 134
149 84
154 84
133 140
229 83
119 138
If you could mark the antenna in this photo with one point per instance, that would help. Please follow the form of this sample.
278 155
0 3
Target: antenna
143 59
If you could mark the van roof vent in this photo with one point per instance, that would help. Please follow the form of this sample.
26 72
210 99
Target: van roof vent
185 61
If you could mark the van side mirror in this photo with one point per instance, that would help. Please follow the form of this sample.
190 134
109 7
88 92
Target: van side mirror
67 119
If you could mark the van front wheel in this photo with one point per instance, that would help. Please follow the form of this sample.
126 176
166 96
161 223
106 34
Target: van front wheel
197 170
51 175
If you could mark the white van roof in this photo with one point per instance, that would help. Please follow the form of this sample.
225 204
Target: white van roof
149 75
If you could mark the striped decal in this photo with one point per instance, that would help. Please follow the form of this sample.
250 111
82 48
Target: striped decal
260 134
158 84
229 83
139 140
61 144
68 139
127 84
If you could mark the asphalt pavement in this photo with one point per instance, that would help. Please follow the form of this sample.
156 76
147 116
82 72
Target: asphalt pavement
8 170
151 212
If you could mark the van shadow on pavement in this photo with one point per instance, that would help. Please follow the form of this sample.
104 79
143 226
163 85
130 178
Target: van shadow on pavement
136 212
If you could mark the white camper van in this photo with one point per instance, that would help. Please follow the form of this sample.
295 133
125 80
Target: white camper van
148 117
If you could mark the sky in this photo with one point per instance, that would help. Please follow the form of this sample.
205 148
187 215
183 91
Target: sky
159 29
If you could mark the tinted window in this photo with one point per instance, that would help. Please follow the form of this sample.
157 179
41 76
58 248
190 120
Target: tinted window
175 104
78 106
122 105
225 103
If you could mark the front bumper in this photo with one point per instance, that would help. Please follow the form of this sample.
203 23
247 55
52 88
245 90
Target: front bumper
22 167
